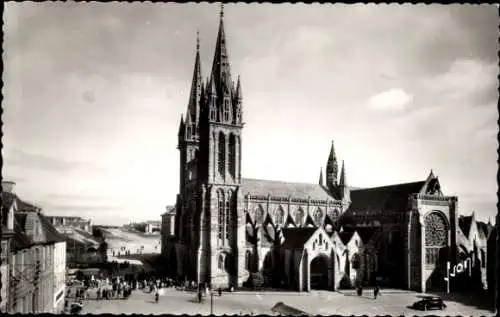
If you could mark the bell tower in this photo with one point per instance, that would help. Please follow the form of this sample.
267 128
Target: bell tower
219 170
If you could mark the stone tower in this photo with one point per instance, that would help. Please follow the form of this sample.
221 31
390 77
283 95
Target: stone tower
188 146
220 254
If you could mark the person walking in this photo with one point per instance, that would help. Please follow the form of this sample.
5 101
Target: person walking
376 292
157 297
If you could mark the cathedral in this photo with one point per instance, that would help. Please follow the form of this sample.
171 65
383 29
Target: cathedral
327 235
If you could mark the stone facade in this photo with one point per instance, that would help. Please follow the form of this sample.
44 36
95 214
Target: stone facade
227 227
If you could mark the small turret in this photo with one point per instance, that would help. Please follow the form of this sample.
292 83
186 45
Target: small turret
345 192
331 169
181 127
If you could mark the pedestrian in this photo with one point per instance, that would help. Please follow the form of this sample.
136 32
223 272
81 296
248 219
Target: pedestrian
157 297
98 294
199 296
220 291
376 292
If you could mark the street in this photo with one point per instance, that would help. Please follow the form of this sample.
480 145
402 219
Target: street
317 302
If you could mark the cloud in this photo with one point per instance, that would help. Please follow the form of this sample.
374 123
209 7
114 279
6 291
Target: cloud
393 99
23 159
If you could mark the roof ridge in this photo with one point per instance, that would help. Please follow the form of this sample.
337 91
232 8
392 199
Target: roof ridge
280 181
393 185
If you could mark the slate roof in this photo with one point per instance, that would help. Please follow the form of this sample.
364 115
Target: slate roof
464 222
51 234
284 189
20 240
26 207
393 197
295 238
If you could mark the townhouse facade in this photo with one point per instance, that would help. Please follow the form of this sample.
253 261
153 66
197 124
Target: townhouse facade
35 283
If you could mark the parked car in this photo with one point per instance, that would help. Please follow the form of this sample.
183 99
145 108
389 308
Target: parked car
76 308
429 303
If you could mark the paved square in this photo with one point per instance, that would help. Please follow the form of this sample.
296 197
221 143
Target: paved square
316 303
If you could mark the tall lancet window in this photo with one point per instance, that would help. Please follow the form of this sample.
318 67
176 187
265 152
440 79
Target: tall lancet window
222 154
220 218
227 216
227 110
213 113
232 155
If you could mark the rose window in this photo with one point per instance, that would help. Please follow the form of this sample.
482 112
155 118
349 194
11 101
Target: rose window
436 233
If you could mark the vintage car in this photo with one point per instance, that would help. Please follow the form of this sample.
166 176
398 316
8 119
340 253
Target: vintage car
429 303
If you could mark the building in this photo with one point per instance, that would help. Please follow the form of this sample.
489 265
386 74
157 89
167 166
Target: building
8 207
492 260
33 285
167 227
324 235
472 243
152 226
82 248
61 222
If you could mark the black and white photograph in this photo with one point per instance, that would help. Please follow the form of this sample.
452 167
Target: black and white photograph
249 158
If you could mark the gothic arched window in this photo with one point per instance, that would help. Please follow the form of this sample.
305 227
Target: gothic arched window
227 215
318 216
222 154
232 155
213 113
299 217
259 215
280 216
220 222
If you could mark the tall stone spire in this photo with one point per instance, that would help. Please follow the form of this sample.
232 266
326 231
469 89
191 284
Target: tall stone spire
321 176
196 86
342 181
221 71
331 169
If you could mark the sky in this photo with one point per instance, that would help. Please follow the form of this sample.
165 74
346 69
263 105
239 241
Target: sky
94 92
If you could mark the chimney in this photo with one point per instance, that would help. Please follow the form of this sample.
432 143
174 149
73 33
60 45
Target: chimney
8 186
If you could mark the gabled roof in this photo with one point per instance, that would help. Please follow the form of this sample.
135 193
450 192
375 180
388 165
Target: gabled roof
295 238
366 233
346 236
483 230
393 197
465 222
284 189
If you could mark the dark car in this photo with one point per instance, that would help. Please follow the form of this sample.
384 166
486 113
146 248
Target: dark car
430 303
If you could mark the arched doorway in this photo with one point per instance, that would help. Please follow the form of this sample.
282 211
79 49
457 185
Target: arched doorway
319 273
